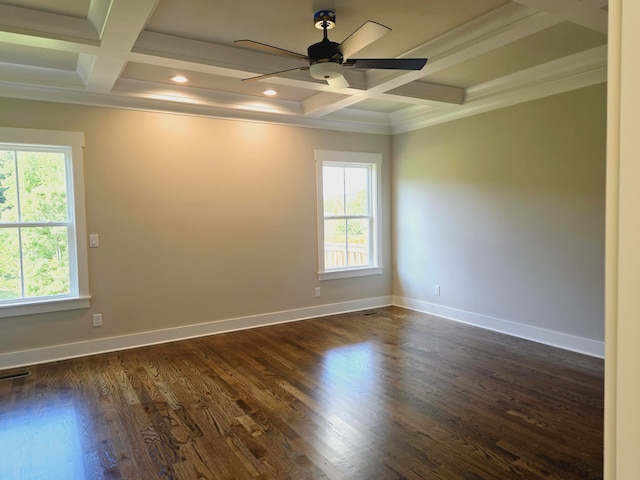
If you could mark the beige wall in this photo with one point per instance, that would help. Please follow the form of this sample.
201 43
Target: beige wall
505 211
199 220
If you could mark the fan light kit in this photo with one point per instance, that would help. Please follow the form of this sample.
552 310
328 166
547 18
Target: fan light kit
327 59
326 70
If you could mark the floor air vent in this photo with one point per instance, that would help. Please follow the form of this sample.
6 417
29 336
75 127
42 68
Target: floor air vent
14 375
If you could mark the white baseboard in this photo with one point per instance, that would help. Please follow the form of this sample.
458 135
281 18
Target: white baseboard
91 347
553 338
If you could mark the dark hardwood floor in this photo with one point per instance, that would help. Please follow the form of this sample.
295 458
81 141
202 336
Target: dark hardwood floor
382 394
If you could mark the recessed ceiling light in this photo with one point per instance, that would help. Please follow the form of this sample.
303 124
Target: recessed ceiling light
270 92
179 79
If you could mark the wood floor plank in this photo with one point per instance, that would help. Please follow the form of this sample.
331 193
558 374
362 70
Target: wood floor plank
382 394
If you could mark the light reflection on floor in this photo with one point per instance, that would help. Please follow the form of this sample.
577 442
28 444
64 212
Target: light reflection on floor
349 382
350 369
40 443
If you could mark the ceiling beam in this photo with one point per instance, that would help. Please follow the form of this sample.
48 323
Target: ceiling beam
198 56
588 13
425 93
25 22
103 40
13 74
98 14
582 64
158 48
100 72
578 70
123 22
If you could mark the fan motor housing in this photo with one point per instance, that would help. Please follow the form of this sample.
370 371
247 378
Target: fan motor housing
324 50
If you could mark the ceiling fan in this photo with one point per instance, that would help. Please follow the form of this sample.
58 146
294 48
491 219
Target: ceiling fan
327 59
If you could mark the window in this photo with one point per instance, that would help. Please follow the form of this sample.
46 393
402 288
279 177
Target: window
348 226
43 264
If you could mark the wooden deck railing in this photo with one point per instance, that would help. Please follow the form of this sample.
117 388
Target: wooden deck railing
336 255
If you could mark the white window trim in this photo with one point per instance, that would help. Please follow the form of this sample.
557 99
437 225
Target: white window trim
322 156
81 298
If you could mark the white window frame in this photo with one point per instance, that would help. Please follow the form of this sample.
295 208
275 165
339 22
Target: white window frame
78 265
345 158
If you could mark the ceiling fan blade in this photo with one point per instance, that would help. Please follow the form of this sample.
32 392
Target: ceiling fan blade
363 36
338 83
263 47
273 74
387 63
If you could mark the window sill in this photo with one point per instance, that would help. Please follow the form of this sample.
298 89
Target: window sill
44 306
350 273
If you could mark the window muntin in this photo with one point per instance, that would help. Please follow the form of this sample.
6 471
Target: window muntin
348 185
43 263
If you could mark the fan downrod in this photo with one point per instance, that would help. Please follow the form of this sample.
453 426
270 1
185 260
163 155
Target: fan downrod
325 50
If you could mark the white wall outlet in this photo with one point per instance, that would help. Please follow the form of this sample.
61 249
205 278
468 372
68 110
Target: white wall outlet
94 241
317 292
97 319
436 289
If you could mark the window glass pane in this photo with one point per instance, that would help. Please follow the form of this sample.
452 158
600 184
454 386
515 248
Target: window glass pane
348 192
358 242
333 191
335 243
356 190
10 283
46 261
8 193
42 186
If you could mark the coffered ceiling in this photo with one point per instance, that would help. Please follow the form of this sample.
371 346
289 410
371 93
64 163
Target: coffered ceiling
483 54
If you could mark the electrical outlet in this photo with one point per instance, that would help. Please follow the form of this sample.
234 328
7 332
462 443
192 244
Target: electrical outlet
317 292
436 289
94 240
97 319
